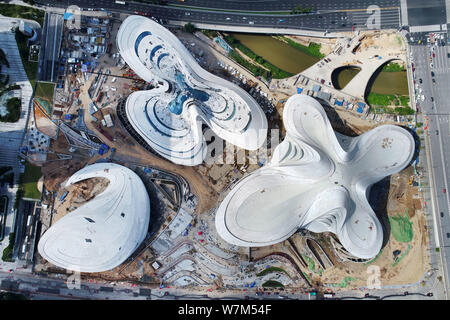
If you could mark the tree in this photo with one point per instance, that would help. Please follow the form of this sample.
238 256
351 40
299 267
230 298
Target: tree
189 27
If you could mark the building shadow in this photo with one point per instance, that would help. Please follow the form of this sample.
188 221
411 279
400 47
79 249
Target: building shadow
378 200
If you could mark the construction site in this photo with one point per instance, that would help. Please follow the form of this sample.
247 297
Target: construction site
85 124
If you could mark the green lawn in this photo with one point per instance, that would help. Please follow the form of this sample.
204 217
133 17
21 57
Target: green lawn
381 103
14 107
29 181
313 49
401 227
271 269
393 67
272 284
16 11
344 283
8 251
45 90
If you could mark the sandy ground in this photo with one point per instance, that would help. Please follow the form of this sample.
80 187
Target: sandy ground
79 194
138 154
43 123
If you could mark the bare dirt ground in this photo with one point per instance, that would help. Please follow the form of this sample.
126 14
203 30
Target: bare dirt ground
410 265
79 194
139 155
43 123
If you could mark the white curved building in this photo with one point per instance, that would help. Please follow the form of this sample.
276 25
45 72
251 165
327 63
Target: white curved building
169 118
105 231
318 180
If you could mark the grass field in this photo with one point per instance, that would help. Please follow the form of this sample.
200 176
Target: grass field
15 11
271 269
272 284
401 227
45 90
29 181
313 49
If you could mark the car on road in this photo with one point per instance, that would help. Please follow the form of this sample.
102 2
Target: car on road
444 191
281 20
432 73
432 99
420 81
434 81
187 13
437 132
244 18
228 18
431 65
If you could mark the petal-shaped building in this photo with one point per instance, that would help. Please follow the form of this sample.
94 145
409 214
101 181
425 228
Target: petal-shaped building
105 231
170 117
317 179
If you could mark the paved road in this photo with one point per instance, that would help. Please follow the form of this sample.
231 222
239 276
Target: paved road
428 12
335 20
51 43
438 135
286 5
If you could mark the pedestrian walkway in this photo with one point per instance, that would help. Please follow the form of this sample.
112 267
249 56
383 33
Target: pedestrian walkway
11 134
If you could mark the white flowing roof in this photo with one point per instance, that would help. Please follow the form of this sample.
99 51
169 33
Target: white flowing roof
318 180
105 231
169 118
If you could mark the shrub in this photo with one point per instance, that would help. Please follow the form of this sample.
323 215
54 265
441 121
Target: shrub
14 107
189 27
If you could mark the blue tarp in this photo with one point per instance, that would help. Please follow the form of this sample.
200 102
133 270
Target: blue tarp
299 90
339 103
360 109
68 16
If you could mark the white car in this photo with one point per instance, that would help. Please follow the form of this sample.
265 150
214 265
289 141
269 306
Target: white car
228 18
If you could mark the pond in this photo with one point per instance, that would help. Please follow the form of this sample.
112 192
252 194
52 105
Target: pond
295 61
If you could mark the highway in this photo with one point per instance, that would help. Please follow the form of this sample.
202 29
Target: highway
51 43
285 5
437 138
332 19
